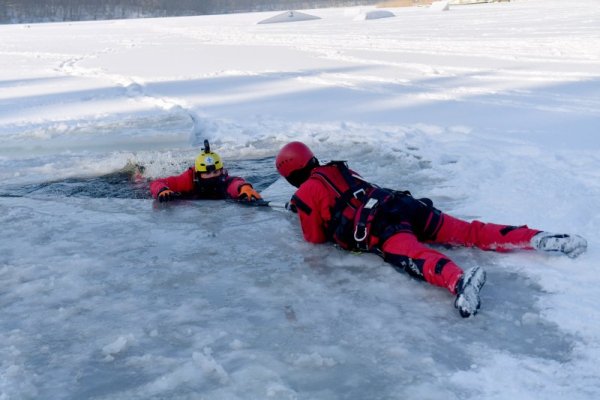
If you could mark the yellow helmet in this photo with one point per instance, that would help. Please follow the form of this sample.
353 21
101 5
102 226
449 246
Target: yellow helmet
208 161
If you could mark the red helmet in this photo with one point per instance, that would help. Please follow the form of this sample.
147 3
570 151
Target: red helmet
295 161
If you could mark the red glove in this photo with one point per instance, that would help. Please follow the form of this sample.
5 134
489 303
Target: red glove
248 193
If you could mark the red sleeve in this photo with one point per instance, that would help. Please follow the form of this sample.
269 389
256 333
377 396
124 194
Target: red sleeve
233 188
313 203
178 183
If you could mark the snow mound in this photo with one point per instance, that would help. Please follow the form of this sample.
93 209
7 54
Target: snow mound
375 14
289 16
116 347
439 6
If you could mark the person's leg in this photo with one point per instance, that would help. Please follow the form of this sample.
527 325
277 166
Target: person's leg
404 251
485 236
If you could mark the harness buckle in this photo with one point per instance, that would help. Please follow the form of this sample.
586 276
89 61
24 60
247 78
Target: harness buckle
363 233
358 192
371 203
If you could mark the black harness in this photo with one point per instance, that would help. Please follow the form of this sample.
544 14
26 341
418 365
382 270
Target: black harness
213 188
355 209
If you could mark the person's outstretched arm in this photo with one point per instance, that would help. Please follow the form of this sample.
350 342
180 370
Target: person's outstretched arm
181 183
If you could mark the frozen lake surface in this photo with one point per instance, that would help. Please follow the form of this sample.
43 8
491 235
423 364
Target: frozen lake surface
490 110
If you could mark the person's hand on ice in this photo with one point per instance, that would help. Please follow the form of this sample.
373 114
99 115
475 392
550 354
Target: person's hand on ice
248 193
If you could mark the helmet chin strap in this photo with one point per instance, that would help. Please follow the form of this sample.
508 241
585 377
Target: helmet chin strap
300 176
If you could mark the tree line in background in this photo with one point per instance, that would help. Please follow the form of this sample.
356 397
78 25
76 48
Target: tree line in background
31 11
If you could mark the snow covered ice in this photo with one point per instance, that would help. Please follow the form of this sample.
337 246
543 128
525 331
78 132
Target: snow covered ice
491 110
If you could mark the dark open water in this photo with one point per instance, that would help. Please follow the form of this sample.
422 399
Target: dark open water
130 183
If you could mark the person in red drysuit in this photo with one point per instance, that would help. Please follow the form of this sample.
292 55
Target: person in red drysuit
335 204
207 179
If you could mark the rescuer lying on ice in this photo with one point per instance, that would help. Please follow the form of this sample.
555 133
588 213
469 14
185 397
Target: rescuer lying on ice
335 204
207 179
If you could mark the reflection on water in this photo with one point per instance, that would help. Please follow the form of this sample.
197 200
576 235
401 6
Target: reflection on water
27 11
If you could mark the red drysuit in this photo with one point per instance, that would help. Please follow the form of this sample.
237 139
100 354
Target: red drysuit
222 187
336 205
